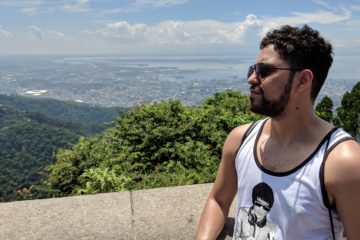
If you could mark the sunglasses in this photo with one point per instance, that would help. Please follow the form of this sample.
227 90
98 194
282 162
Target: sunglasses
265 207
263 70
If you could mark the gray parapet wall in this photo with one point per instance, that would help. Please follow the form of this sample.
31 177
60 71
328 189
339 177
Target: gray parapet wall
162 213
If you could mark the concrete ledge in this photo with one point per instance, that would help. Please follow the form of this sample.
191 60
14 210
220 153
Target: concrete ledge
103 216
163 213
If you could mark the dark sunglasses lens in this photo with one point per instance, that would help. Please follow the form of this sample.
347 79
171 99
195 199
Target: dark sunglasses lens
264 70
250 71
260 69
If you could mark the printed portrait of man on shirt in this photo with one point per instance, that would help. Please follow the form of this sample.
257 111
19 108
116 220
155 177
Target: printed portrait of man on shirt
252 221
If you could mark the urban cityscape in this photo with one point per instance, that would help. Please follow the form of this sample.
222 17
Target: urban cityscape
110 81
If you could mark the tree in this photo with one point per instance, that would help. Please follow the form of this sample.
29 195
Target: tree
324 109
349 111
64 175
97 180
153 145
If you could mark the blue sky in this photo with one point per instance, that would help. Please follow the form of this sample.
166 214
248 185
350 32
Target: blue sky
167 27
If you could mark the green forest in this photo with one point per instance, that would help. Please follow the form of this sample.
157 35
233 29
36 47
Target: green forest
66 110
159 144
31 131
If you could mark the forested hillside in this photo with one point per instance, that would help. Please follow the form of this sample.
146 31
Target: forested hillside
27 144
30 139
71 111
167 144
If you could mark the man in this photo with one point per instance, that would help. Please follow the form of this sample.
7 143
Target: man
312 168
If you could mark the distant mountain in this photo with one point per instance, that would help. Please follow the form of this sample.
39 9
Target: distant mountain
72 111
31 130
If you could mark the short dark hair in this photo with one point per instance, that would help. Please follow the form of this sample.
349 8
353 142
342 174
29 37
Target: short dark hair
264 192
302 48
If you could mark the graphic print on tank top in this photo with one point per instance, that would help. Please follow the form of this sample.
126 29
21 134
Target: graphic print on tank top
252 222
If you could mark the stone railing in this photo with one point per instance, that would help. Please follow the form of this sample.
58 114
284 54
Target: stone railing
163 213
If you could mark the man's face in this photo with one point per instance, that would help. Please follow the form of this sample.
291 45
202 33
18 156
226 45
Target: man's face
270 95
261 208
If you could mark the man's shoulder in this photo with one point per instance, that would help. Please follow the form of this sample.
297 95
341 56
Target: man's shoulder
241 129
239 132
342 180
345 152
343 164
236 136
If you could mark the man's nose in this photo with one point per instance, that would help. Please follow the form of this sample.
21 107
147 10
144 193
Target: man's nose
253 79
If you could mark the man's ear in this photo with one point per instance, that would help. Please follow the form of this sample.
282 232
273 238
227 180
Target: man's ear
305 80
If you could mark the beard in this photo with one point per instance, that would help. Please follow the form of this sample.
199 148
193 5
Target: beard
272 108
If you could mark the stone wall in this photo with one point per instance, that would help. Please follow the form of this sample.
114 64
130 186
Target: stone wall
163 213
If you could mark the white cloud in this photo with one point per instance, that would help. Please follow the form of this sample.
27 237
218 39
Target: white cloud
21 3
35 32
157 3
323 3
211 31
31 11
27 7
143 5
4 33
180 32
78 6
355 7
38 33
297 18
170 32
237 33
56 34
322 17
123 31
35 7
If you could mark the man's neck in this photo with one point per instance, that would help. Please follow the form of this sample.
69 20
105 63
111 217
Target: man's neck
297 126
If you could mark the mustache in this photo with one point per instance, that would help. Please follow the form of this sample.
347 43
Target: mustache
257 87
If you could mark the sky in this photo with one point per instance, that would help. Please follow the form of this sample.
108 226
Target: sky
167 27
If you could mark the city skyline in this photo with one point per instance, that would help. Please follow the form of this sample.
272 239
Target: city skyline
166 27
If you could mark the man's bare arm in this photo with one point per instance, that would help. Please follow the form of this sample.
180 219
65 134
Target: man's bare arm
223 191
342 180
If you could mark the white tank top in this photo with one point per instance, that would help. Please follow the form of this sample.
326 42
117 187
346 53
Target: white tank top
288 205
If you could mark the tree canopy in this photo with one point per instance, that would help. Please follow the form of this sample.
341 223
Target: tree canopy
154 145
349 111
324 109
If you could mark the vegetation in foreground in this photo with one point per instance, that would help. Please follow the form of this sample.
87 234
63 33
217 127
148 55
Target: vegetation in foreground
167 144
163 144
